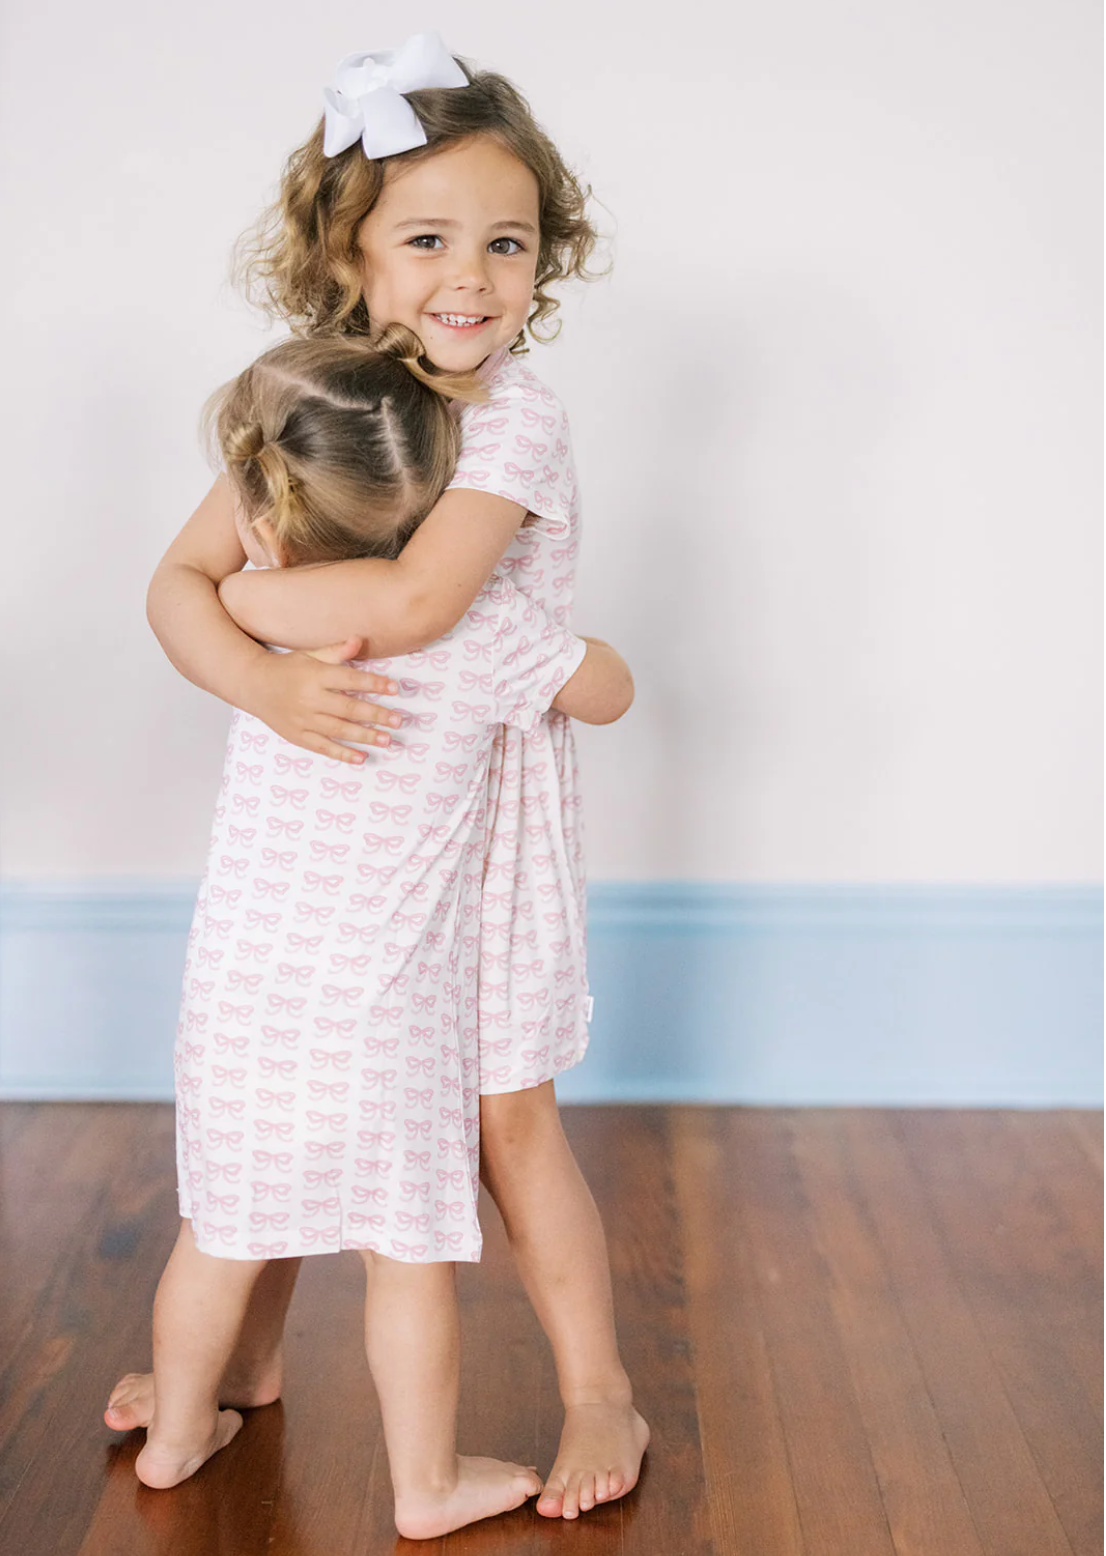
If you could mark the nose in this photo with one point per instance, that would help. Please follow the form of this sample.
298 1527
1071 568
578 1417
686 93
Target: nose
469 271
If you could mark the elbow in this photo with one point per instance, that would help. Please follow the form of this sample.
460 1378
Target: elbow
154 600
623 698
618 700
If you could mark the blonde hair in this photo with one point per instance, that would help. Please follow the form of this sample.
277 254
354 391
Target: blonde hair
301 261
343 445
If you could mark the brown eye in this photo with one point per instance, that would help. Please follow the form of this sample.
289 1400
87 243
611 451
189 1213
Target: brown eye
515 249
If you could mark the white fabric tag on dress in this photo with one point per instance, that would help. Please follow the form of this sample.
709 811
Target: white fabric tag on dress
589 1006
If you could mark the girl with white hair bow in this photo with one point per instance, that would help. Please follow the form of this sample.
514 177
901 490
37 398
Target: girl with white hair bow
429 197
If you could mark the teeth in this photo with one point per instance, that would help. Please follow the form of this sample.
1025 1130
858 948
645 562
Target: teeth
461 318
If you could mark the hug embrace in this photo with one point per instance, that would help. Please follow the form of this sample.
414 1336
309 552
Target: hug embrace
386 969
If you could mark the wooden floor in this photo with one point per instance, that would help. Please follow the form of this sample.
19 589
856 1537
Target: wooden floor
855 1333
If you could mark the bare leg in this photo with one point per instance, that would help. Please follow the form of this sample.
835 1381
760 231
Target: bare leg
254 1372
557 1240
412 1338
198 1313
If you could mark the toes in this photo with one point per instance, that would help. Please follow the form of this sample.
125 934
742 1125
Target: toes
587 1493
527 1477
616 1483
227 1427
571 1505
552 1498
603 1490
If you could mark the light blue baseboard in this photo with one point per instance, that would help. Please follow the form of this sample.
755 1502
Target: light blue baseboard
790 995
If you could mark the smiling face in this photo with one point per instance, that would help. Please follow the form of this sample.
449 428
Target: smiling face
451 249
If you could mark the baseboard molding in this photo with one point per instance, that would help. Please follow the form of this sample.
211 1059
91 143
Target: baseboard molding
705 992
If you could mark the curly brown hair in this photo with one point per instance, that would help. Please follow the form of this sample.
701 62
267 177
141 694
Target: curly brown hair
301 260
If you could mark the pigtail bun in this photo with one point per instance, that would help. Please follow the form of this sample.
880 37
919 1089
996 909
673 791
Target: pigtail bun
403 345
281 502
256 463
243 442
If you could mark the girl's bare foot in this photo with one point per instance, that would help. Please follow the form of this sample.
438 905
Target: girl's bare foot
484 1487
599 1458
164 1466
132 1399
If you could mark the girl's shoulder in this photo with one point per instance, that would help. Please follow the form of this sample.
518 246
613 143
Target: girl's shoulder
516 443
513 386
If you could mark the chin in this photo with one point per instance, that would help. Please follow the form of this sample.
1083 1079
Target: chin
460 354
458 361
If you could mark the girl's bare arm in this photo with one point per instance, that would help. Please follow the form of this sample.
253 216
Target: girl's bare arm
304 699
395 607
601 689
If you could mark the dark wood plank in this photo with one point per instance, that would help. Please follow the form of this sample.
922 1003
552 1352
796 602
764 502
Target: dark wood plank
625 1156
53 1439
925 1503
1034 1293
15 1117
750 1493
1010 1506
52 1171
1085 1125
1053 1157
836 1490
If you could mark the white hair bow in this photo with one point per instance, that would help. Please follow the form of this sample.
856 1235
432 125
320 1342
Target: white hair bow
367 99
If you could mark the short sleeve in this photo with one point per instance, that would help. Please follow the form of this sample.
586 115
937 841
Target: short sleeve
516 445
532 656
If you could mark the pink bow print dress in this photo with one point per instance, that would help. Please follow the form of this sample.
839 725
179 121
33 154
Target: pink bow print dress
327 1057
533 1003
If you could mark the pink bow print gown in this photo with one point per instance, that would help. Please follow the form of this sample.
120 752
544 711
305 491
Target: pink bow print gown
327 1057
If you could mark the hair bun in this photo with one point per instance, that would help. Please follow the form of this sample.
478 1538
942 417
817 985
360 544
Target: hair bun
403 345
396 340
245 442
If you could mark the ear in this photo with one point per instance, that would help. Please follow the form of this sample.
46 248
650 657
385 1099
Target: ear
274 551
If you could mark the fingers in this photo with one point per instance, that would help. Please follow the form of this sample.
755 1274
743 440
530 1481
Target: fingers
350 710
342 678
337 728
347 680
324 747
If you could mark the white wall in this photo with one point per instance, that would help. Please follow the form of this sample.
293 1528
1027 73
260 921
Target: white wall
835 411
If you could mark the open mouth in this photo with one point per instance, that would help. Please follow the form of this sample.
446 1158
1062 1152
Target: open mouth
461 321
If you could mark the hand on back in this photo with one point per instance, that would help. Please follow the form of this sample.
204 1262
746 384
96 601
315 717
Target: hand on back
317 700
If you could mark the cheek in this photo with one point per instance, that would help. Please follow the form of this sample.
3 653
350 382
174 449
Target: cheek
522 289
391 286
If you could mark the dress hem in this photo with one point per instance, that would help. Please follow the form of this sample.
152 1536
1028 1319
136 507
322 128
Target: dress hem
290 1249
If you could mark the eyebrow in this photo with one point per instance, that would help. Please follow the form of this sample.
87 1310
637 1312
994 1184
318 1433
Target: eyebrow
444 221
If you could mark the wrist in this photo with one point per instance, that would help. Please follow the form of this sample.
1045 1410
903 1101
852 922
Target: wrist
253 682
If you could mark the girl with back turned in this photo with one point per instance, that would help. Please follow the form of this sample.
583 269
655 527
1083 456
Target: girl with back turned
327 1060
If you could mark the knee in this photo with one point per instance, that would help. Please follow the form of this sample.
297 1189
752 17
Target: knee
382 1267
514 1122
